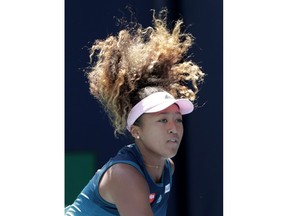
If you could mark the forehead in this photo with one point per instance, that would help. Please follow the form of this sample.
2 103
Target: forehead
171 110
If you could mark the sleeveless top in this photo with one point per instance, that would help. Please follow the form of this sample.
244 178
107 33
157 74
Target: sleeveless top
90 203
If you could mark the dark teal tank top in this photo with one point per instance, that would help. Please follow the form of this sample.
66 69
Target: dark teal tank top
90 203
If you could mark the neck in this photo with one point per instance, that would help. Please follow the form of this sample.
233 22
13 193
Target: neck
153 163
150 159
153 166
155 172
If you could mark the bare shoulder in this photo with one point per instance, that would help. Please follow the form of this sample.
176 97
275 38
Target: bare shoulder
123 174
124 186
172 164
121 170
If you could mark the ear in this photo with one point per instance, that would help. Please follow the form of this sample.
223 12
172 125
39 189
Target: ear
135 131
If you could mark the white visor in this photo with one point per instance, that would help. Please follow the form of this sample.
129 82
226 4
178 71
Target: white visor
156 102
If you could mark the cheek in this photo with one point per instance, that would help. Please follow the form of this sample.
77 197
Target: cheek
180 131
152 131
152 134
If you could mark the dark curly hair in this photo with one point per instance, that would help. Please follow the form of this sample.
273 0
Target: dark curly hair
140 61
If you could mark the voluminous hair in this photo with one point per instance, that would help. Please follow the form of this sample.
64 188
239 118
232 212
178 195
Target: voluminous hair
140 58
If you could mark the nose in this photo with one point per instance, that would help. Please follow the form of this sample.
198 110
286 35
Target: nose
172 128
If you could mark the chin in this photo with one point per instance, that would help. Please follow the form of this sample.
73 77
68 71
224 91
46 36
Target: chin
172 154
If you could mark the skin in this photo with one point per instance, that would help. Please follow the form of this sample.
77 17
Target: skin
158 138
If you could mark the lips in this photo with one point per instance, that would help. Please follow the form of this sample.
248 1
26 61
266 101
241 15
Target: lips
173 140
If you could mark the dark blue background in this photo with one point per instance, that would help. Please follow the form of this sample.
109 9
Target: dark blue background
198 179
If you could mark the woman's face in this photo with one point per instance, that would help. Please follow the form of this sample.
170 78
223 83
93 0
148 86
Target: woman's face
161 133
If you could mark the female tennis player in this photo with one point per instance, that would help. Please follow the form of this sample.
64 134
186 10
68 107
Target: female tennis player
140 76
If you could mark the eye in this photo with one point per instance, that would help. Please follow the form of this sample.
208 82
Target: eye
163 120
179 120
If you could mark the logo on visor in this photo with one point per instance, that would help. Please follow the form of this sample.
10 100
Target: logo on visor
168 96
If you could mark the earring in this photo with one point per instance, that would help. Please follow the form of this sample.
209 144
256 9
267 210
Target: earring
137 137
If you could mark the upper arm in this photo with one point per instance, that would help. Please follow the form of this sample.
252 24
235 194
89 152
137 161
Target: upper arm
124 186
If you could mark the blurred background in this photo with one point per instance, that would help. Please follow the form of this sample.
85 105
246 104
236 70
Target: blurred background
89 139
